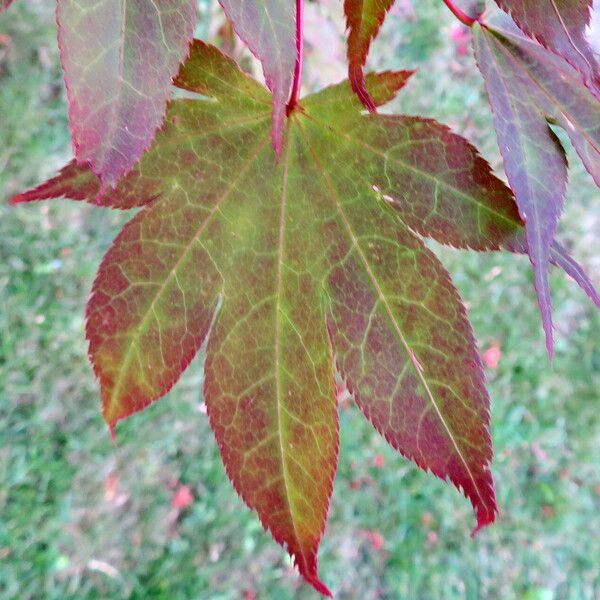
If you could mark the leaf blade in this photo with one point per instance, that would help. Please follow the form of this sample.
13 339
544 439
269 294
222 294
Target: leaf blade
534 160
268 27
356 291
118 76
559 25
287 265
363 21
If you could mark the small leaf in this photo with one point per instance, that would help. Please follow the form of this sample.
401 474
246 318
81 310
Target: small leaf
118 60
363 20
527 89
269 29
4 4
559 25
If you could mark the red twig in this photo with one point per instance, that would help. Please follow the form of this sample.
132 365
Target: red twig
299 55
460 14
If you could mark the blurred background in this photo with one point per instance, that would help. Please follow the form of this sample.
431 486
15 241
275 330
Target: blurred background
153 515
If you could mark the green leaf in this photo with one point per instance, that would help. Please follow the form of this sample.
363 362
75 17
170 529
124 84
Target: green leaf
293 271
529 88
118 60
559 25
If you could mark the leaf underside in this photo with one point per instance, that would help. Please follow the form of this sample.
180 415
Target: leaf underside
294 270
560 26
118 60
268 27
528 89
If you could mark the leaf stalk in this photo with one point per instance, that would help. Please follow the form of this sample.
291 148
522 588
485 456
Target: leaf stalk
462 16
299 56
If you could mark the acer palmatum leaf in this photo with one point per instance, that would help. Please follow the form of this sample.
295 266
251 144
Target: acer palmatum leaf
118 60
268 27
528 88
560 26
297 270
363 20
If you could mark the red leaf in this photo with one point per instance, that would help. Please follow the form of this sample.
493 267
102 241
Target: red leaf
269 29
363 19
527 87
182 498
118 60
560 26
292 268
379 461
491 357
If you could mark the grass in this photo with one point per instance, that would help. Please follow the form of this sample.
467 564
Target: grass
85 518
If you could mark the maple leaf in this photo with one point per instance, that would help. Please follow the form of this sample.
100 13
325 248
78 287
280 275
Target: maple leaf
296 271
4 4
363 20
528 89
268 27
118 60
559 25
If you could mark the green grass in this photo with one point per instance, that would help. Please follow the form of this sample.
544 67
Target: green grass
57 521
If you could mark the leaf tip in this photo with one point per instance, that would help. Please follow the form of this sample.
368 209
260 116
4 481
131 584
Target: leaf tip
313 579
112 431
485 517
21 198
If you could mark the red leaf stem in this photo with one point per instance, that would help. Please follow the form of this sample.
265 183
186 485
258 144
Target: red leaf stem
299 56
460 14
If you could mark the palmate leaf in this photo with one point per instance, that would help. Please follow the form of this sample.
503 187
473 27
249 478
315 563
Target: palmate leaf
269 29
4 4
363 19
297 270
559 25
529 88
118 59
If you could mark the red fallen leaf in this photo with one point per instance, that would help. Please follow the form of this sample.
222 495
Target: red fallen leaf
182 498
4 4
432 539
538 452
375 539
491 357
111 487
547 511
249 594
379 461
426 519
